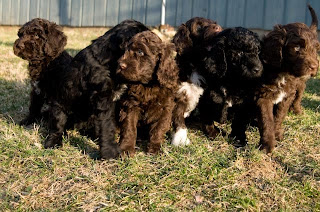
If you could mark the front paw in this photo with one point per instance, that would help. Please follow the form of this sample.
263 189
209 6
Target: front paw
238 140
110 151
180 138
212 131
53 142
154 148
279 134
267 147
296 110
127 149
27 121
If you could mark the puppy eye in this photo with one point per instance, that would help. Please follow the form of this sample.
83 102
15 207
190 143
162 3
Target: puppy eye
140 52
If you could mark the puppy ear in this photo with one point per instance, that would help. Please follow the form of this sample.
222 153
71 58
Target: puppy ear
167 73
216 62
182 39
56 40
272 46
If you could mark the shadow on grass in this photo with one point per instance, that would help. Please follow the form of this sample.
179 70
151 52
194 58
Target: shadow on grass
4 43
73 52
311 104
14 99
298 174
313 86
85 146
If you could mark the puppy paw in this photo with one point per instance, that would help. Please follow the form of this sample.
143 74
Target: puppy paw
279 134
52 142
27 121
266 147
297 110
109 152
154 148
180 138
212 131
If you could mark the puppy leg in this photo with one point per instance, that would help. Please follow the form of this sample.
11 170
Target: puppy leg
239 125
296 105
280 114
266 124
105 128
57 121
180 137
128 133
36 103
158 131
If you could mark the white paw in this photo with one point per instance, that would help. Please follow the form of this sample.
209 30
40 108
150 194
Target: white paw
180 138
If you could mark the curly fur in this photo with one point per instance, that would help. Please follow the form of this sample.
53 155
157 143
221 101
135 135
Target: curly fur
85 92
232 70
151 73
189 41
289 54
42 43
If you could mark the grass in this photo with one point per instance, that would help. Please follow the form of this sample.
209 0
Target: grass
207 175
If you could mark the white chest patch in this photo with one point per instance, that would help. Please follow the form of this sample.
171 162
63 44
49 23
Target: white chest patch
193 93
280 97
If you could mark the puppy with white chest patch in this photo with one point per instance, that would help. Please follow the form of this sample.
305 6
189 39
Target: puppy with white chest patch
188 41
289 54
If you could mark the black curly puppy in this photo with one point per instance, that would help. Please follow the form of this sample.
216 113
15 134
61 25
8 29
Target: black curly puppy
189 40
232 71
89 88
41 43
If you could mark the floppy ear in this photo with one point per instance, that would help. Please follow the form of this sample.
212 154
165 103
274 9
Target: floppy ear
56 40
216 62
182 39
272 45
168 72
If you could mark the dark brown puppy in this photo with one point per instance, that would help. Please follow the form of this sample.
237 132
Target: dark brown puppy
152 75
290 56
189 41
41 43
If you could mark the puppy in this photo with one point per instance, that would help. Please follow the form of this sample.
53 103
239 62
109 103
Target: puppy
88 89
232 72
188 41
289 54
42 43
151 73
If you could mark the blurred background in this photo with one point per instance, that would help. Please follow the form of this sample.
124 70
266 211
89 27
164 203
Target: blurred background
253 14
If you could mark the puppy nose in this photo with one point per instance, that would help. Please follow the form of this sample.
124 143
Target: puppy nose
123 66
314 65
217 28
20 45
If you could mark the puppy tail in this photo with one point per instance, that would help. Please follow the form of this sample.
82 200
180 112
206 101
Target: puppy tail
314 23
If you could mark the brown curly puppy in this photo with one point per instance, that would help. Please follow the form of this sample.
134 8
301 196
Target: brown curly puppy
150 70
289 54
41 43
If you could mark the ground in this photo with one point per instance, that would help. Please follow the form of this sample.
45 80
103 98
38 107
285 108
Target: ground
207 175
